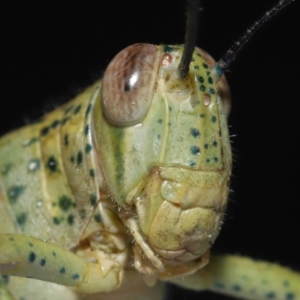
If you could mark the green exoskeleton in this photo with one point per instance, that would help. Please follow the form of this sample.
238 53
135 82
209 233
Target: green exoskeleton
126 185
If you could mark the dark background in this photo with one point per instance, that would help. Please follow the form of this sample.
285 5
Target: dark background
50 53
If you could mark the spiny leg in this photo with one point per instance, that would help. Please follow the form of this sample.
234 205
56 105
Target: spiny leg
33 258
244 278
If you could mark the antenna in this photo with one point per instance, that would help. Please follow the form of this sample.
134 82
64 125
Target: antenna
221 66
190 38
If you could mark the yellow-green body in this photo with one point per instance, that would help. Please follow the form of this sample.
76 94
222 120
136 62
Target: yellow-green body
88 206
43 196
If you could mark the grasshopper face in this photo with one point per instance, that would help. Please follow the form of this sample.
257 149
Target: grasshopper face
264 81
164 148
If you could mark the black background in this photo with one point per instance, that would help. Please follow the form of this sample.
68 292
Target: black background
52 51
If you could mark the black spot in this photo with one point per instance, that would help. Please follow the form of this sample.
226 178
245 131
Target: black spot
65 120
215 143
31 257
214 119
56 220
54 253
200 79
75 276
286 283
97 218
88 110
202 115
79 157
45 130
196 67
30 142
30 245
62 270
52 164
236 288
77 109
208 160
211 91
64 203
159 121
192 163
195 132
290 296
43 262
202 87
270 295
206 146
93 199
88 148
5 279
55 124
86 129
92 173
72 159
168 49
5 169
205 65
66 140
210 80
195 150
216 159
68 109
219 285
34 165
70 219
14 193
21 218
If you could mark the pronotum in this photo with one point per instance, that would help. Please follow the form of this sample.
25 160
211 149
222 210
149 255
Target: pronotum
256 241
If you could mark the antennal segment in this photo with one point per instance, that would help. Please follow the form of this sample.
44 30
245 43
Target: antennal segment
190 38
222 65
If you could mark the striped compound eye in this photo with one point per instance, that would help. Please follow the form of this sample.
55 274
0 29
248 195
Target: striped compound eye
128 84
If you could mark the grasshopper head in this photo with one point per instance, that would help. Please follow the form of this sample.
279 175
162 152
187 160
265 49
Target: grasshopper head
165 151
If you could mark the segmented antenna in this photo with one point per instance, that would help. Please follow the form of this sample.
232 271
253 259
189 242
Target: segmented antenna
222 65
190 38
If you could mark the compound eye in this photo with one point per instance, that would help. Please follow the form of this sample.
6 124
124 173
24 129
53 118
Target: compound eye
128 84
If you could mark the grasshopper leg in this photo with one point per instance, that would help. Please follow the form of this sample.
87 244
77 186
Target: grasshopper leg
244 278
33 258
